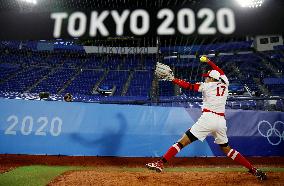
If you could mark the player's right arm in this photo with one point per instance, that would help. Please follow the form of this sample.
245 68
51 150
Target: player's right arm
215 67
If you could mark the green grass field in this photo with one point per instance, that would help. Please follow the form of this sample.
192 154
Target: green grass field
42 175
33 175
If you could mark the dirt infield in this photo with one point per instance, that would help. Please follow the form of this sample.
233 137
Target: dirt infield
123 177
165 178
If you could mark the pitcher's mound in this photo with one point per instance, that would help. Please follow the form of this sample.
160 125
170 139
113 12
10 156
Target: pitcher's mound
129 178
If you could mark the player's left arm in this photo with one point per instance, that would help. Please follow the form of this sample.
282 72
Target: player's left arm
164 72
186 85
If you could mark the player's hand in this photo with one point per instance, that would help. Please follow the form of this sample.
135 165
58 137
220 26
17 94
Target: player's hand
204 59
164 72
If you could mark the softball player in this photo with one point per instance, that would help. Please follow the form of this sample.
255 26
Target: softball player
212 121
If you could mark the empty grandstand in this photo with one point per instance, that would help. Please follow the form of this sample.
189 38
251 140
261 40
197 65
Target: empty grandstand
31 67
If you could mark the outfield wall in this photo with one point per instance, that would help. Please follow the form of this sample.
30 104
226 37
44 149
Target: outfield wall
52 127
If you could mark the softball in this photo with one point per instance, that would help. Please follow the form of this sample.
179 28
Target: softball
203 59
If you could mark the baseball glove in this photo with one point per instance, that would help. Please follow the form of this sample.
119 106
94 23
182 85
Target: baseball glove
164 72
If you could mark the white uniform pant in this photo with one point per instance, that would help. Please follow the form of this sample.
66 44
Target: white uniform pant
210 123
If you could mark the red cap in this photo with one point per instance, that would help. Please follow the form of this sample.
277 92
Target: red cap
212 73
207 74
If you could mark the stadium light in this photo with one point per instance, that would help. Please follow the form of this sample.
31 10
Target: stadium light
250 3
34 2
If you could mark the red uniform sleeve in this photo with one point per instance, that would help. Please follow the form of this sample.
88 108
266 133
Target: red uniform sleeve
186 85
215 67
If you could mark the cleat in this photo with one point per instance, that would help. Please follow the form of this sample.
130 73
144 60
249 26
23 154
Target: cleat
258 174
157 166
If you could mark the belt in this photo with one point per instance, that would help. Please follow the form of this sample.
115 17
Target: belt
220 114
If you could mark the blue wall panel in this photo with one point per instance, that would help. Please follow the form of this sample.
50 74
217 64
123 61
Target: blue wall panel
47 127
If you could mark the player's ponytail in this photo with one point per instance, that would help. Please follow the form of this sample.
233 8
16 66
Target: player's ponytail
222 81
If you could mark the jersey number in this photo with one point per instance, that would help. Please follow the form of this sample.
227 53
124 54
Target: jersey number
223 88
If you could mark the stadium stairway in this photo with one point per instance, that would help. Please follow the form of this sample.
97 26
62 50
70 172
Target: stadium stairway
96 86
53 70
79 71
23 80
14 74
267 64
69 81
261 86
128 81
84 83
140 84
116 79
54 82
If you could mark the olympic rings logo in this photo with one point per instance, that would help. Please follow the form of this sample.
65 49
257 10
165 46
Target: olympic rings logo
268 131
